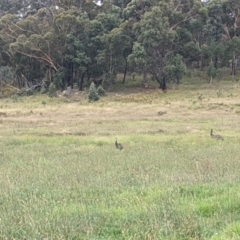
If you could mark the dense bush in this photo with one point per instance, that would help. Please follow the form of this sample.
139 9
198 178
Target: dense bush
101 91
93 94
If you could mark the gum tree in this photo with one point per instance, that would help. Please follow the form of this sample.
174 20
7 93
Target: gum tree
157 34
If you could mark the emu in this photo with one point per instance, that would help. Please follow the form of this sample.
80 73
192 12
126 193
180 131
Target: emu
216 136
118 145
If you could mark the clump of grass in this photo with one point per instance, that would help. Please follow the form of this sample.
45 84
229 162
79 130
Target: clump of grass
3 114
44 102
167 102
207 209
101 91
219 94
200 97
162 112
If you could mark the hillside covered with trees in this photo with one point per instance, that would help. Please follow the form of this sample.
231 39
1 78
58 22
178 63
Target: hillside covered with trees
67 42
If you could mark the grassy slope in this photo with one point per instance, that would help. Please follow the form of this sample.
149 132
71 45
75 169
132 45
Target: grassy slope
62 178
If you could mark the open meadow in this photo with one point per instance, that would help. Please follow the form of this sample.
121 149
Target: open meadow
62 177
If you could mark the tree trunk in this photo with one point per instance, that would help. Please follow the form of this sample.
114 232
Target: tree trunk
69 77
211 78
216 62
233 73
144 75
72 71
164 83
81 82
200 63
125 72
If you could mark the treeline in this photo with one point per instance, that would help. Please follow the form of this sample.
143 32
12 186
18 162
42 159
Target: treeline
67 42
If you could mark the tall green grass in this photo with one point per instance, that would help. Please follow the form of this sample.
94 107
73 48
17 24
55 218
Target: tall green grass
158 187
62 177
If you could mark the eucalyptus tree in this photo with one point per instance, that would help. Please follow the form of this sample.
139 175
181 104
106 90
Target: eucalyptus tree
131 15
77 60
115 43
191 38
117 46
23 8
121 3
176 69
31 44
157 34
65 26
224 30
10 32
214 47
231 26
154 34
86 44
7 35
135 9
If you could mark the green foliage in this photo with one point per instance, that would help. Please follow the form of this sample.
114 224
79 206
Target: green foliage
58 78
52 90
206 209
101 91
177 69
192 51
155 40
140 35
93 94
138 55
211 71
6 72
108 80
44 102
43 89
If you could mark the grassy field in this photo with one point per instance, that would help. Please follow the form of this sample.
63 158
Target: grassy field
62 177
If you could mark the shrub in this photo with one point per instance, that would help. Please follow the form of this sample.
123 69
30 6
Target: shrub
101 91
52 91
106 81
93 94
212 72
43 89
176 69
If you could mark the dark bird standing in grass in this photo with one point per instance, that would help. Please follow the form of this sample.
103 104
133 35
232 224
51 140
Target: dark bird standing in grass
216 136
118 145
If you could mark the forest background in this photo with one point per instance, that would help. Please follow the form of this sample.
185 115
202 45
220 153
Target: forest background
70 43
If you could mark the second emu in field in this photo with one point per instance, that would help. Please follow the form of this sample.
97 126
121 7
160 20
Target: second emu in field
118 145
216 136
